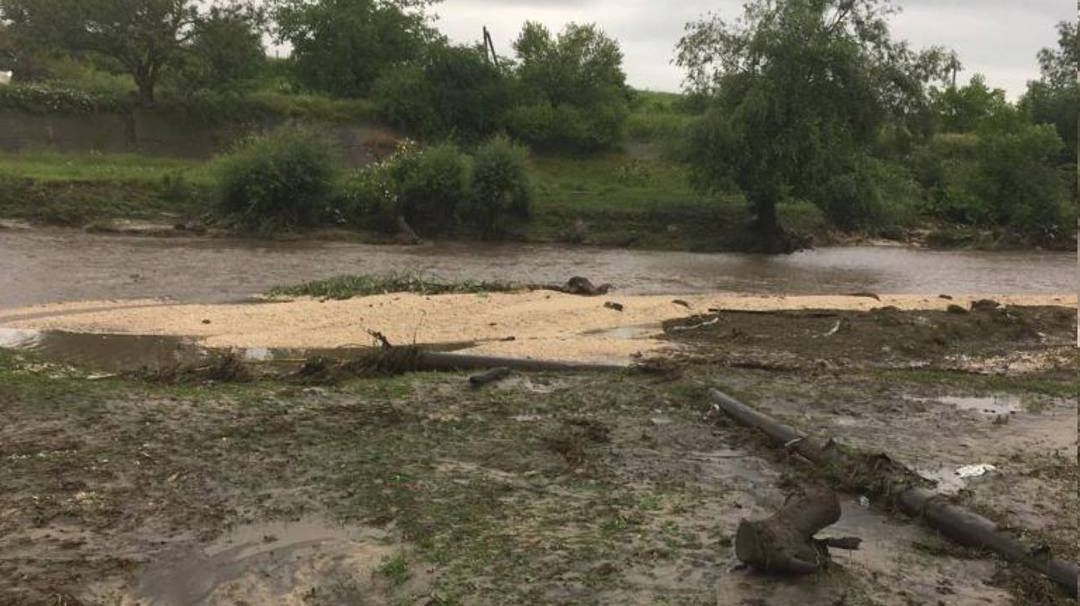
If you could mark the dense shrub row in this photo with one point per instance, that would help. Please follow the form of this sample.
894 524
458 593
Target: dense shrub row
292 178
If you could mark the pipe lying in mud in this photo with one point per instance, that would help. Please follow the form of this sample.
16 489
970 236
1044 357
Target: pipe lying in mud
452 362
950 520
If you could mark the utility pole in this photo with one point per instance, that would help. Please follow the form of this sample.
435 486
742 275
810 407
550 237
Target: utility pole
489 45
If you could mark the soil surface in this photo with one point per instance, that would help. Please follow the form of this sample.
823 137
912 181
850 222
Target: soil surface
588 488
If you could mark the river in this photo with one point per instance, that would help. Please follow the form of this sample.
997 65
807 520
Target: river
40 266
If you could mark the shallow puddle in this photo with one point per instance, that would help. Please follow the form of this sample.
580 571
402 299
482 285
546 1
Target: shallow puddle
268 563
990 405
994 405
627 333
124 352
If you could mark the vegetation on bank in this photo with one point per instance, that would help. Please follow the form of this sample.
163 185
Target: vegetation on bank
422 283
894 148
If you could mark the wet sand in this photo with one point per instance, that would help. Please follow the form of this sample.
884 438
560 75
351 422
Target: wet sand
542 324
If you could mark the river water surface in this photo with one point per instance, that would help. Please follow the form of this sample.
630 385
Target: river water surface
39 266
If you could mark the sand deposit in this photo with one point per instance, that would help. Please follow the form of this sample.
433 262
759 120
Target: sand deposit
543 324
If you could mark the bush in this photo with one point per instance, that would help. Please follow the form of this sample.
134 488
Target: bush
571 91
998 177
1019 178
45 98
453 93
368 198
500 185
280 180
873 196
566 127
431 184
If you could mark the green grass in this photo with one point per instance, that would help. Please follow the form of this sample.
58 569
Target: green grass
614 183
345 287
54 167
396 570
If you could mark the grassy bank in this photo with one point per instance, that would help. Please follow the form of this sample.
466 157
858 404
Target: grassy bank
634 199
618 199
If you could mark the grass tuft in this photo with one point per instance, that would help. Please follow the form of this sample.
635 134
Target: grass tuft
346 287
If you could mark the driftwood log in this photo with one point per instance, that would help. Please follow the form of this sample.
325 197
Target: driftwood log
489 376
933 509
785 542
576 285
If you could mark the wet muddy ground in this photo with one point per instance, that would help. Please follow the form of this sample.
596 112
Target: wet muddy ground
616 488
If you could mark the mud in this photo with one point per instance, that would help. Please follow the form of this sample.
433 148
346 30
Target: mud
270 563
541 489
1005 340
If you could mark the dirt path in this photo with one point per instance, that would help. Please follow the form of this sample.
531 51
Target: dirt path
541 324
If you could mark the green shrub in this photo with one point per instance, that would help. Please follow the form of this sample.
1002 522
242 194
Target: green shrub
454 92
368 199
500 185
874 196
46 98
570 91
1000 176
18 194
567 127
178 191
280 180
431 184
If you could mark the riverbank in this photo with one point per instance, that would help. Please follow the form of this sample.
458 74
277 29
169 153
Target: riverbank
607 488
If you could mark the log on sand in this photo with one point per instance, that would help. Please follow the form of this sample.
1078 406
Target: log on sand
900 483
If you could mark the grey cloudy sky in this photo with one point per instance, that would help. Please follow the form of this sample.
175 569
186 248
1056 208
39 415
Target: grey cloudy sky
998 38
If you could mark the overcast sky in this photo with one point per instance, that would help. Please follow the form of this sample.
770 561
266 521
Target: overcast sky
998 38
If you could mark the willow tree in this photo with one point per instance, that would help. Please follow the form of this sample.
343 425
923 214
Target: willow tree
799 91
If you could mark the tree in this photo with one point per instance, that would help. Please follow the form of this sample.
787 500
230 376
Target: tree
7 49
226 50
964 109
1061 66
1055 97
452 92
572 90
341 47
144 37
800 90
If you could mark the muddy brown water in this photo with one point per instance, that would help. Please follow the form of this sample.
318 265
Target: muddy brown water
40 266
127 352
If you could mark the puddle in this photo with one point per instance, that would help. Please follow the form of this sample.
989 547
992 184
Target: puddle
988 405
274 563
626 333
124 352
105 351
